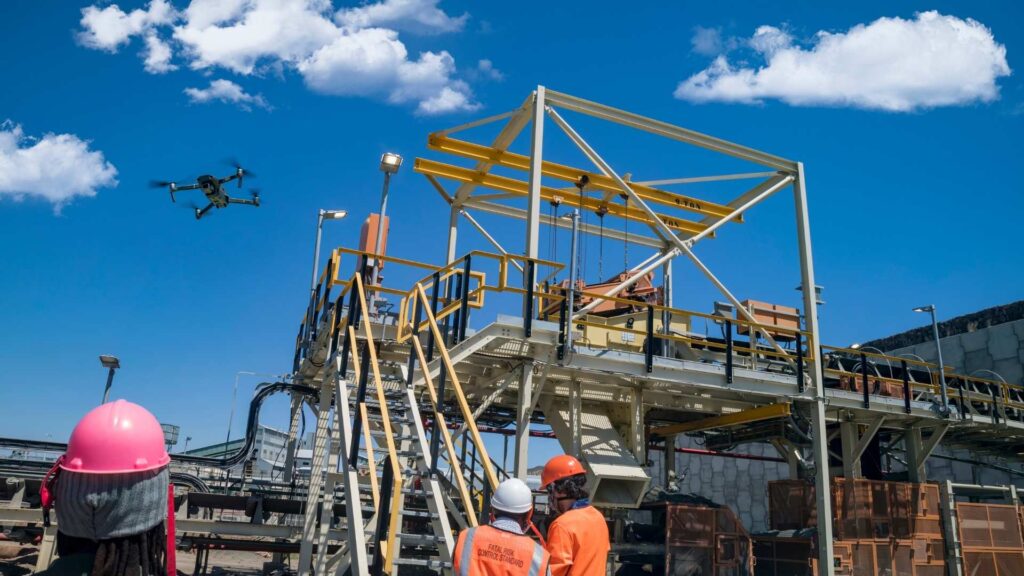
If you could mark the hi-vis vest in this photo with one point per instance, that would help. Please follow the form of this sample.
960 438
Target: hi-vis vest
488 551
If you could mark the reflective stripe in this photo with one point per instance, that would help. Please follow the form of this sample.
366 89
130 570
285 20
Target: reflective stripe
467 554
538 559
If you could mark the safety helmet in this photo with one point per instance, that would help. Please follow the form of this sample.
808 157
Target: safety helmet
512 495
114 438
561 466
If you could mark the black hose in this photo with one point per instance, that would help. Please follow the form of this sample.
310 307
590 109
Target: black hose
238 457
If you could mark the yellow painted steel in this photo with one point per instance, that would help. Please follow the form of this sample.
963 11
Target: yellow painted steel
453 459
460 396
385 417
365 418
758 414
571 174
434 168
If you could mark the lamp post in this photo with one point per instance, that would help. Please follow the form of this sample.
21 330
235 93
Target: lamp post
389 164
938 349
320 217
111 363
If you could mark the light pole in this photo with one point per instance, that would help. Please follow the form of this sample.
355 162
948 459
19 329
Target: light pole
320 217
938 349
234 394
187 440
389 164
112 363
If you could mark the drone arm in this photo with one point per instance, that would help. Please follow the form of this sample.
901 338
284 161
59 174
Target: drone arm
243 201
185 187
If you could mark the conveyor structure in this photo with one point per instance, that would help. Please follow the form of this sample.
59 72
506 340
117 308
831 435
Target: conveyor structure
399 462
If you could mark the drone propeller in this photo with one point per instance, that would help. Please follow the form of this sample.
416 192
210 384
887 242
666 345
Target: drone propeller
241 172
255 193
160 183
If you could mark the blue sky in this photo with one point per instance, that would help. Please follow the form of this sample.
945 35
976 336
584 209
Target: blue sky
910 131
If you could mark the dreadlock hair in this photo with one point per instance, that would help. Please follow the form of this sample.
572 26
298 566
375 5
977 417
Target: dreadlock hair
572 487
142 554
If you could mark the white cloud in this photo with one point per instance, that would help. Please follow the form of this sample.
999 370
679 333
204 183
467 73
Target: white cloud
706 41
417 16
158 54
768 40
226 91
238 36
373 61
351 52
109 28
486 68
890 64
56 167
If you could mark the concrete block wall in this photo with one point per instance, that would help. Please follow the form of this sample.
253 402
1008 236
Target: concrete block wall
739 484
999 348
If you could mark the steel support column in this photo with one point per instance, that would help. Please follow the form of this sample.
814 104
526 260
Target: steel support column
915 450
849 434
536 163
293 434
524 408
453 234
822 485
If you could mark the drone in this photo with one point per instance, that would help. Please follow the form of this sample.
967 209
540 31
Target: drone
213 188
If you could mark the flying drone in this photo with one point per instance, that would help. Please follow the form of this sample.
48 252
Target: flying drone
213 188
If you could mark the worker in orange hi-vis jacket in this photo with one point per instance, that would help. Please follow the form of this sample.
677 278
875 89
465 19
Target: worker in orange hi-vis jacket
578 538
502 548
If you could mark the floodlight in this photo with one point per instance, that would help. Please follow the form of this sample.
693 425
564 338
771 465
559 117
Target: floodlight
334 214
109 361
390 162
928 308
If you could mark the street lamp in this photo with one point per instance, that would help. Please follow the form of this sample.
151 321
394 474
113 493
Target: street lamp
389 164
320 217
930 308
112 363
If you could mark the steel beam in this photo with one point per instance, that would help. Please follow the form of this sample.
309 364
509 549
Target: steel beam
523 413
667 130
548 194
504 138
572 174
758 414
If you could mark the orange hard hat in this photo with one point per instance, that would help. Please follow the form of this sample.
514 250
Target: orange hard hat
562 466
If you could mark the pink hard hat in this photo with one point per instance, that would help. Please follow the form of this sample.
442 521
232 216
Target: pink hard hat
115 438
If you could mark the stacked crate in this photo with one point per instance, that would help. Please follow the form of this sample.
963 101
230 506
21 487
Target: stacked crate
878 527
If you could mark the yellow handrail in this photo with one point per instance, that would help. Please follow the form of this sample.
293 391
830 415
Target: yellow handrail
396 500
460 396
442 425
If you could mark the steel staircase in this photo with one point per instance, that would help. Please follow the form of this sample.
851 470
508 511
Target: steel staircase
373 454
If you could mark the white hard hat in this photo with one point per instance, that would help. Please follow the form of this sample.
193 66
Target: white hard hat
512 495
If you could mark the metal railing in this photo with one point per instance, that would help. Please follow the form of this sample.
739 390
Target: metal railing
460 287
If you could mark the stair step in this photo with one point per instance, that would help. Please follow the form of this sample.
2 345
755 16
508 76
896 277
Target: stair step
398 437
419 513
415 492
427 562
419 538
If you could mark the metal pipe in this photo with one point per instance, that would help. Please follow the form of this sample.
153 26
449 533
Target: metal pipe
703 452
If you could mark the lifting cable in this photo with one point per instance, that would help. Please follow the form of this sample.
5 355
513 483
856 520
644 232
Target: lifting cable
556 201
581 252
600 247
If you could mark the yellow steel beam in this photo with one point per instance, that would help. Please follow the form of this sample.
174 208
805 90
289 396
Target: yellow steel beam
570 174
734 419
520 187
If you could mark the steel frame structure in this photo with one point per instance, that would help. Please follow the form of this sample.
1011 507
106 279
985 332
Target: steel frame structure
672 238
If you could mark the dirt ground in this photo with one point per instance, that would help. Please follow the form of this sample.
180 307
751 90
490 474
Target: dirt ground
19 560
